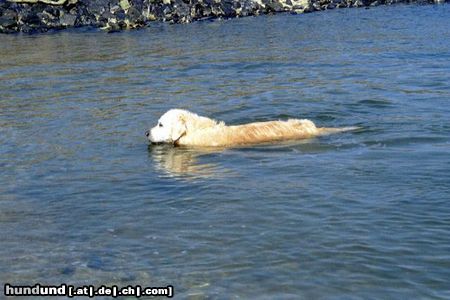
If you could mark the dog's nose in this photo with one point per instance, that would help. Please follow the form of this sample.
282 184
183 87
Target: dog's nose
147 133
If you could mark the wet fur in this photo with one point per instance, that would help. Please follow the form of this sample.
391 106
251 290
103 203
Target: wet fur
189 129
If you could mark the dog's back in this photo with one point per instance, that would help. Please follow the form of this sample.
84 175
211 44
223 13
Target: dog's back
253 133
264 132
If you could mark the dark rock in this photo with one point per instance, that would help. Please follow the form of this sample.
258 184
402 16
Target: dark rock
316 6
111 25
122 24
137 4
8 30
33 28
273 6
115 15
44 18
120 15
68 20
228 9
217 11
52 11
133 13
29 18
182 13
7 22
8 19
9 13
3 6
206 12
95 7
104 19
116 8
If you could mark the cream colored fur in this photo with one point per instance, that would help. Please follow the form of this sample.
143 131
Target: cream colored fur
182 127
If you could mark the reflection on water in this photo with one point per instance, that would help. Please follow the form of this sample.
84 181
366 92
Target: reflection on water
193 163
185 162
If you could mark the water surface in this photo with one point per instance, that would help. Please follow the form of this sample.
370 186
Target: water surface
85 200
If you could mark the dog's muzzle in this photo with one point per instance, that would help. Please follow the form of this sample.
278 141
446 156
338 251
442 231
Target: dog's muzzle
147 134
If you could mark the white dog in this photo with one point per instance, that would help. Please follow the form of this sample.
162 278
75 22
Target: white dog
181 127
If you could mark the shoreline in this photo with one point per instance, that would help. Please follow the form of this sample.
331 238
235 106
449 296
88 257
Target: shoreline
37 16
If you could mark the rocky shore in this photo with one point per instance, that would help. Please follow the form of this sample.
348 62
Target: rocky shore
32 16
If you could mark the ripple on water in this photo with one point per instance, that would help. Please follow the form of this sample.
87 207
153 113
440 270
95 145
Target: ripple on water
362 214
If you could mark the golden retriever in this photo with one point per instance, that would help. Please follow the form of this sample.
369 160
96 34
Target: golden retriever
181 127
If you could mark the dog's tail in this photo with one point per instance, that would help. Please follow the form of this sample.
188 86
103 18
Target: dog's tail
327 130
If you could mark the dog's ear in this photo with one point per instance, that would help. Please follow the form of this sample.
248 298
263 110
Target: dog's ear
179 128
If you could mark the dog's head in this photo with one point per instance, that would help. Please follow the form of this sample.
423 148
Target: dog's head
177 123
170 127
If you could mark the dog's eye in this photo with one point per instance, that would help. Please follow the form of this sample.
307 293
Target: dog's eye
160 124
